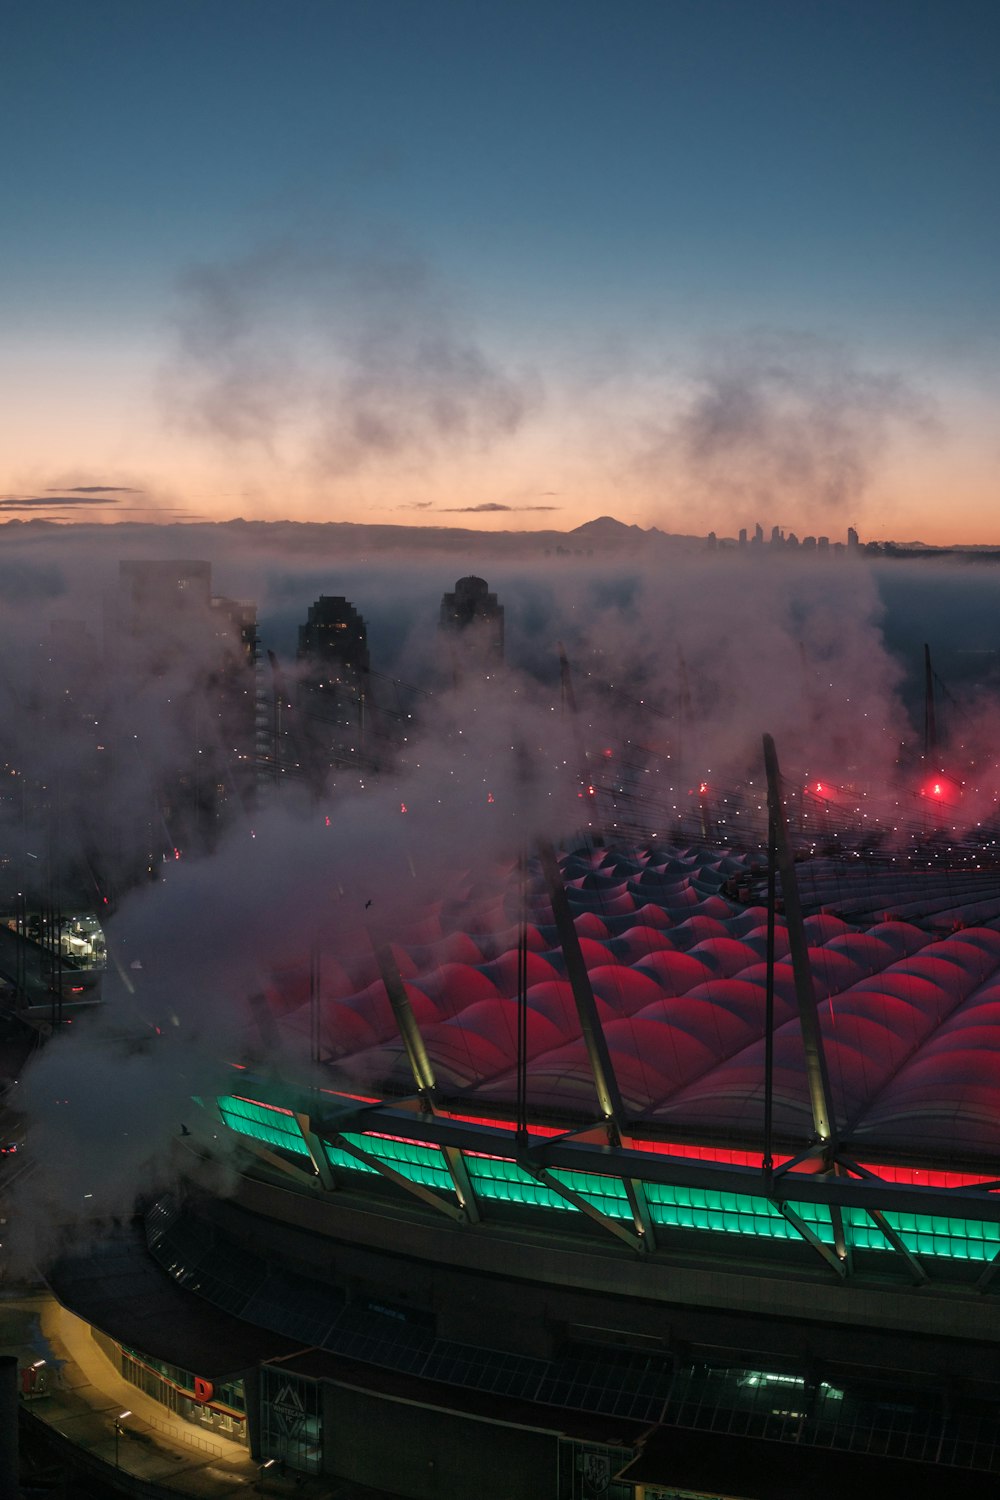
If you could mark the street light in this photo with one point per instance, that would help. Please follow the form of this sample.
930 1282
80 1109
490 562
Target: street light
260 1473
118 1431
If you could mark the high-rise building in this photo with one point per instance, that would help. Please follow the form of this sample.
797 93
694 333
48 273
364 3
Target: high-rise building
333 643
333 665
473 620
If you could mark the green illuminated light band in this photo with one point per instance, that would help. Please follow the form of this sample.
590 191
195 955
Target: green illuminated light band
263 1122
500 1179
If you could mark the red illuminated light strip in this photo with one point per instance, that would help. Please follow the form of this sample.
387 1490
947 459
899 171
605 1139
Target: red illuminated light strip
912 1176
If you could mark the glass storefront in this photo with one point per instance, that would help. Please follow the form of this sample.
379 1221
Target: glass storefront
218 1406
291 1420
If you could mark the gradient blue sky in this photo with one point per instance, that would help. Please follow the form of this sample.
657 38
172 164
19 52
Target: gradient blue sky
645 247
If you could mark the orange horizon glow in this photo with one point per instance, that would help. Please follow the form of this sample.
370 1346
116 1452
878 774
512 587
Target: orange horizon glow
66 431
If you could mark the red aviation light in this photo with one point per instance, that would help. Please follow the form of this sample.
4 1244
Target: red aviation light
942 788
827 792
490 797
402 807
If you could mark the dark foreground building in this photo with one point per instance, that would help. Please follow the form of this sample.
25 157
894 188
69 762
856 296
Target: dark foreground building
574 1244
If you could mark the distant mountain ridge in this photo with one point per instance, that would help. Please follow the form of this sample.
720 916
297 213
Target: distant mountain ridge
609 527
603 532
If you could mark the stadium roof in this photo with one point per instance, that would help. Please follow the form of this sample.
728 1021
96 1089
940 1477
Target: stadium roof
910 1020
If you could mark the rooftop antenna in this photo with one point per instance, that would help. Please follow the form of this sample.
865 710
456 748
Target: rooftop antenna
567 695
930 721
683 706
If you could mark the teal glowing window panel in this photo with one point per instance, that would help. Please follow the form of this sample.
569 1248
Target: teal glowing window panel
732 1213
607 1194
344 1161
417 1163
500 1179
957 1239
262 1122
863 1232
816 1216
496 1178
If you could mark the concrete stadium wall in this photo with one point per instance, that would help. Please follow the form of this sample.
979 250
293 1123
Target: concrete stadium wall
427 1454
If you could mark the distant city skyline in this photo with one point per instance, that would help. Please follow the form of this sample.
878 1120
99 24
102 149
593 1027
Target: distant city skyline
504 265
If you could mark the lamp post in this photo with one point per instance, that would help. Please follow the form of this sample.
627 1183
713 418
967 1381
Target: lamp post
260 1473
118 1431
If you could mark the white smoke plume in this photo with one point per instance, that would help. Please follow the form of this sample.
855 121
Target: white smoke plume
768 644
333 362
790 426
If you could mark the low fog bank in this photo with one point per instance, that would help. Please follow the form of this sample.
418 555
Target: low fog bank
677 666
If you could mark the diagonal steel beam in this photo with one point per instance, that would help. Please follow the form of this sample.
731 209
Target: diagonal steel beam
423 1073
609 1097
613 1226
812 1038
317 1155
878 1218
811 1238
601 1066
416 1189
416 1052
983 1284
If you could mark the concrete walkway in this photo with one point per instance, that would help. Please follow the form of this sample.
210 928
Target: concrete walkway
86 1394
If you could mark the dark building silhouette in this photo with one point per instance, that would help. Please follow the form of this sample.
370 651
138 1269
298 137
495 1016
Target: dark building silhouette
332 694
473 620
333 643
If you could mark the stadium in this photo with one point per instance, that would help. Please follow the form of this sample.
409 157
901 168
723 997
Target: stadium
599 1176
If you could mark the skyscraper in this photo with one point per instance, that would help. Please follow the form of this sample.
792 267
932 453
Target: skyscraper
333 643
474 621
332 695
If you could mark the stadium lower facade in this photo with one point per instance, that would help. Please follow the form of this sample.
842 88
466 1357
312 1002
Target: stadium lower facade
558 1220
